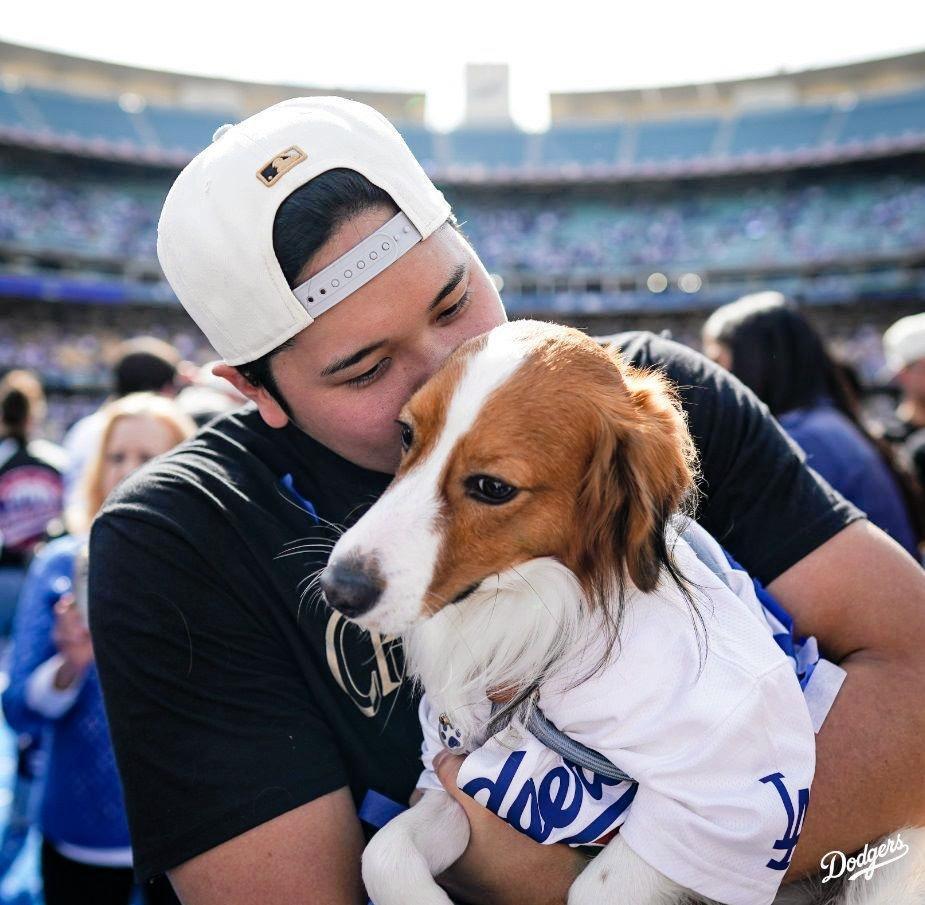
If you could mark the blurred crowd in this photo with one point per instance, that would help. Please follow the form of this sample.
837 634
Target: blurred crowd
758 224
66 782
74 354
69 214
754 226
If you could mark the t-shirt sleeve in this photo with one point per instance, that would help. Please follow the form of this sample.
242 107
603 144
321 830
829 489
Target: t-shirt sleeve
760 500
214 729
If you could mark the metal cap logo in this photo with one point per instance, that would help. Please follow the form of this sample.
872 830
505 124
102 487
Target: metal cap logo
282 163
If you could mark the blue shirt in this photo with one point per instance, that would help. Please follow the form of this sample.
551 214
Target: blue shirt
82 797
851 464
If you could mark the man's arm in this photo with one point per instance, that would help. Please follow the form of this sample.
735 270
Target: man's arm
308 855
228 767
863 597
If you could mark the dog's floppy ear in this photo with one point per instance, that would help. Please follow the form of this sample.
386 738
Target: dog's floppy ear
640 471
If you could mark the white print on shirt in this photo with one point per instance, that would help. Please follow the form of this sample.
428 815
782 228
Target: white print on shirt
379 657
865 862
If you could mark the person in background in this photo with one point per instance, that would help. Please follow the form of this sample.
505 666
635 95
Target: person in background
31 495
765 340
86 853
904 347
142 365
30 483
208 396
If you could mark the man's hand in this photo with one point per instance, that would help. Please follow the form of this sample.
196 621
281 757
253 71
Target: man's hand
502 866
863 597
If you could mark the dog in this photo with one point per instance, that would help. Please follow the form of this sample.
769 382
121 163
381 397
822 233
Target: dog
533 554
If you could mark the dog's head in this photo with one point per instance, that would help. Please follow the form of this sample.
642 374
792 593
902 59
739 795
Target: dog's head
531 440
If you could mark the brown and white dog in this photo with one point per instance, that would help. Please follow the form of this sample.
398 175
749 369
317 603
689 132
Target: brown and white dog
533 453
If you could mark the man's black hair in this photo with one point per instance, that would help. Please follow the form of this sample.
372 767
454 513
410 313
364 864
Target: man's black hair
303 223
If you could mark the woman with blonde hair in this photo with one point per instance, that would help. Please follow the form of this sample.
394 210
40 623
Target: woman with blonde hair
86 853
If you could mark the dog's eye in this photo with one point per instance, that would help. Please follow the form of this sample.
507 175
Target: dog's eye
486 489
407 435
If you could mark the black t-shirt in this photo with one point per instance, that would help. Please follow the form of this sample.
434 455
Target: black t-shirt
234 696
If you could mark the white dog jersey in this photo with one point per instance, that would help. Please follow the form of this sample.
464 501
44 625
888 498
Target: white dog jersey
719 738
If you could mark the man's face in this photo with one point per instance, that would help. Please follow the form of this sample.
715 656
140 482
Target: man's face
348 375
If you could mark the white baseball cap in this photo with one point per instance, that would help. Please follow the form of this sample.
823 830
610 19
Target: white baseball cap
215 234
904 342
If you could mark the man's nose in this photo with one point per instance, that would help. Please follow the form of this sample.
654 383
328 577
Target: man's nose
352 587
427 362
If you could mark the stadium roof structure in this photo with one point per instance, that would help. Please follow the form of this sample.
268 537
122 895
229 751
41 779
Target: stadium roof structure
871 109
882 76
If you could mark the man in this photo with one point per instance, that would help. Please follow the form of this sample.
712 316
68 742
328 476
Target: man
904 346
256 731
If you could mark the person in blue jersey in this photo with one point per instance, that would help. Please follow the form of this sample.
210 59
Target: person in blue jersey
31 495
767 342
86 852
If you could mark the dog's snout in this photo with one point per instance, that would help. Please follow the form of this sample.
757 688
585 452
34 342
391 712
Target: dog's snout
352 588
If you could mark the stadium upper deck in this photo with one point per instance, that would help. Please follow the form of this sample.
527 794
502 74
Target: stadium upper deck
871 109
645 200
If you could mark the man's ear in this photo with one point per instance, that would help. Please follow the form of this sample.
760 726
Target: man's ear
269 408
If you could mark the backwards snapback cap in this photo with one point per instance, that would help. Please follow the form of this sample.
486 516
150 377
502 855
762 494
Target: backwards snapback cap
904 342
215 234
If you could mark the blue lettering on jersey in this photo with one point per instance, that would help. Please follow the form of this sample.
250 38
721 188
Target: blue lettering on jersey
555 803
795 817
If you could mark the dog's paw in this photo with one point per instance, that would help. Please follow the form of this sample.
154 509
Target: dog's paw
394 873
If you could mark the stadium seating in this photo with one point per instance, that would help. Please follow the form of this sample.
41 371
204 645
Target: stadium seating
617 229
790 129
487 147
676 139
68 114
421 142
885 117
585 144
184 130
9 114
645 144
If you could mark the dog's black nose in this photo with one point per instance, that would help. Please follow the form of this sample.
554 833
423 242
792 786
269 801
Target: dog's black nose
352 588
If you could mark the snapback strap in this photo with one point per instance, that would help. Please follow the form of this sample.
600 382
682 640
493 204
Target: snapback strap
358 266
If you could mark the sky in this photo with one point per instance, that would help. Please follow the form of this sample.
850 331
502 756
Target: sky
423 45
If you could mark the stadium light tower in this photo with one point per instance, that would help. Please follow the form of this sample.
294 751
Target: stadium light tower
488 101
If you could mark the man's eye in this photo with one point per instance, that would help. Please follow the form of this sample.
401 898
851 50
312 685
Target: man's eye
370 375
453 310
